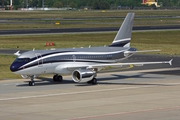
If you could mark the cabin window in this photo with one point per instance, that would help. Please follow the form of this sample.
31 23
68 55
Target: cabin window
23 60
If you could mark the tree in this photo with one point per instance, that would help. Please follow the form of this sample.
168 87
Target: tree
58 4
3 3
34 3
100 4
96 5
165 2
72 5
104 5
16 4
90 3
49 3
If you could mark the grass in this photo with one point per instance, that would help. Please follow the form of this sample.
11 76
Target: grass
85 14
5 72
86 23
167 41
81 19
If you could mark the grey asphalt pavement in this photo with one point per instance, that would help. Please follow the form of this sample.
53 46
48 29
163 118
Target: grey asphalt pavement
129 95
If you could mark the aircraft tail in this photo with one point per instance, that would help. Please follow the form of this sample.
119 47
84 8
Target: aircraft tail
123 36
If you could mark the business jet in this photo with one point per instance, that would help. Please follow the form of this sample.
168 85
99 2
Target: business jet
82 63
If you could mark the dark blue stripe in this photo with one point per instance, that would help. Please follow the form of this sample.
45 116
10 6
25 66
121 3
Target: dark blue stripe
119 44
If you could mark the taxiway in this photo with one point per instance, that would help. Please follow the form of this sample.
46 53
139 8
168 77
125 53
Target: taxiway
81 30
145 94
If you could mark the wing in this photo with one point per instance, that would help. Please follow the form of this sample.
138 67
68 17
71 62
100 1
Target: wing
120 64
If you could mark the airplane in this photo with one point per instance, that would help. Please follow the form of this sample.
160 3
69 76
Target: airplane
82 63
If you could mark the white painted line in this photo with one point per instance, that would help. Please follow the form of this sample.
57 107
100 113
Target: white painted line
83 92
6 84
72 93
10 84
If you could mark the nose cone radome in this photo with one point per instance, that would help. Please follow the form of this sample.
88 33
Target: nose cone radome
14 67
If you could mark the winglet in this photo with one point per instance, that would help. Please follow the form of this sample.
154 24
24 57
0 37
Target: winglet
170 62
17 53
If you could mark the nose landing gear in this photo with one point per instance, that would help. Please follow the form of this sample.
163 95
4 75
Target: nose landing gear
32 83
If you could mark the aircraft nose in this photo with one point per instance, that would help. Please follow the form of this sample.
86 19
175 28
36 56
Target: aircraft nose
13 67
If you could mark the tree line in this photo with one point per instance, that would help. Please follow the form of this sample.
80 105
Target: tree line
94 4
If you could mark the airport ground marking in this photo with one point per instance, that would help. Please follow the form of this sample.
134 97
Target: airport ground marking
83 92
73 93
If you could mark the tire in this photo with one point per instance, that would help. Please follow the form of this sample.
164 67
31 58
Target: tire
94 81
31 83
60 78
55 78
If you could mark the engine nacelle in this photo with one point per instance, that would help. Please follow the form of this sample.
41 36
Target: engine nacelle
83 75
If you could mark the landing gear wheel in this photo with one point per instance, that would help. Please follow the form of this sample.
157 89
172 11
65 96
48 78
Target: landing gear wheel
94 81
57 78
60 78
31 83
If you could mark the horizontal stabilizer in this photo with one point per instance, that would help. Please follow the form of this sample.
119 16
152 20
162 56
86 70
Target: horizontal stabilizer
148 51
142 51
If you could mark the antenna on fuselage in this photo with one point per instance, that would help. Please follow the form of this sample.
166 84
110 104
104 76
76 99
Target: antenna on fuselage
33 49
89 46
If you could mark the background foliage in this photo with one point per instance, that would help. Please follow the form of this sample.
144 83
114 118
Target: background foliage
95 4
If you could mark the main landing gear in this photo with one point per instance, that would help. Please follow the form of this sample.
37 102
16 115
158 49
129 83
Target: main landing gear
93 81
32 83
57 78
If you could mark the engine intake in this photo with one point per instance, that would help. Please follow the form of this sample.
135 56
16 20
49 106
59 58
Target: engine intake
82 75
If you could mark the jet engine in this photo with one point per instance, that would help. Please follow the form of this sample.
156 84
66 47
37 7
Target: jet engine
83 75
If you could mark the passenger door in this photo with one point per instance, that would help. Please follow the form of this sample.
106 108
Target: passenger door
40 60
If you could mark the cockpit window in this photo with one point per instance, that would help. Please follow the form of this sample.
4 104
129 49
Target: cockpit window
23 60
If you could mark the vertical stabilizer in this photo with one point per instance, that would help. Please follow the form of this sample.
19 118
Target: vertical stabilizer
123 36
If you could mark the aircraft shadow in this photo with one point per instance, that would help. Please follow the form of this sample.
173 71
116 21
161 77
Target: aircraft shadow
42 81
171 72
123 77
